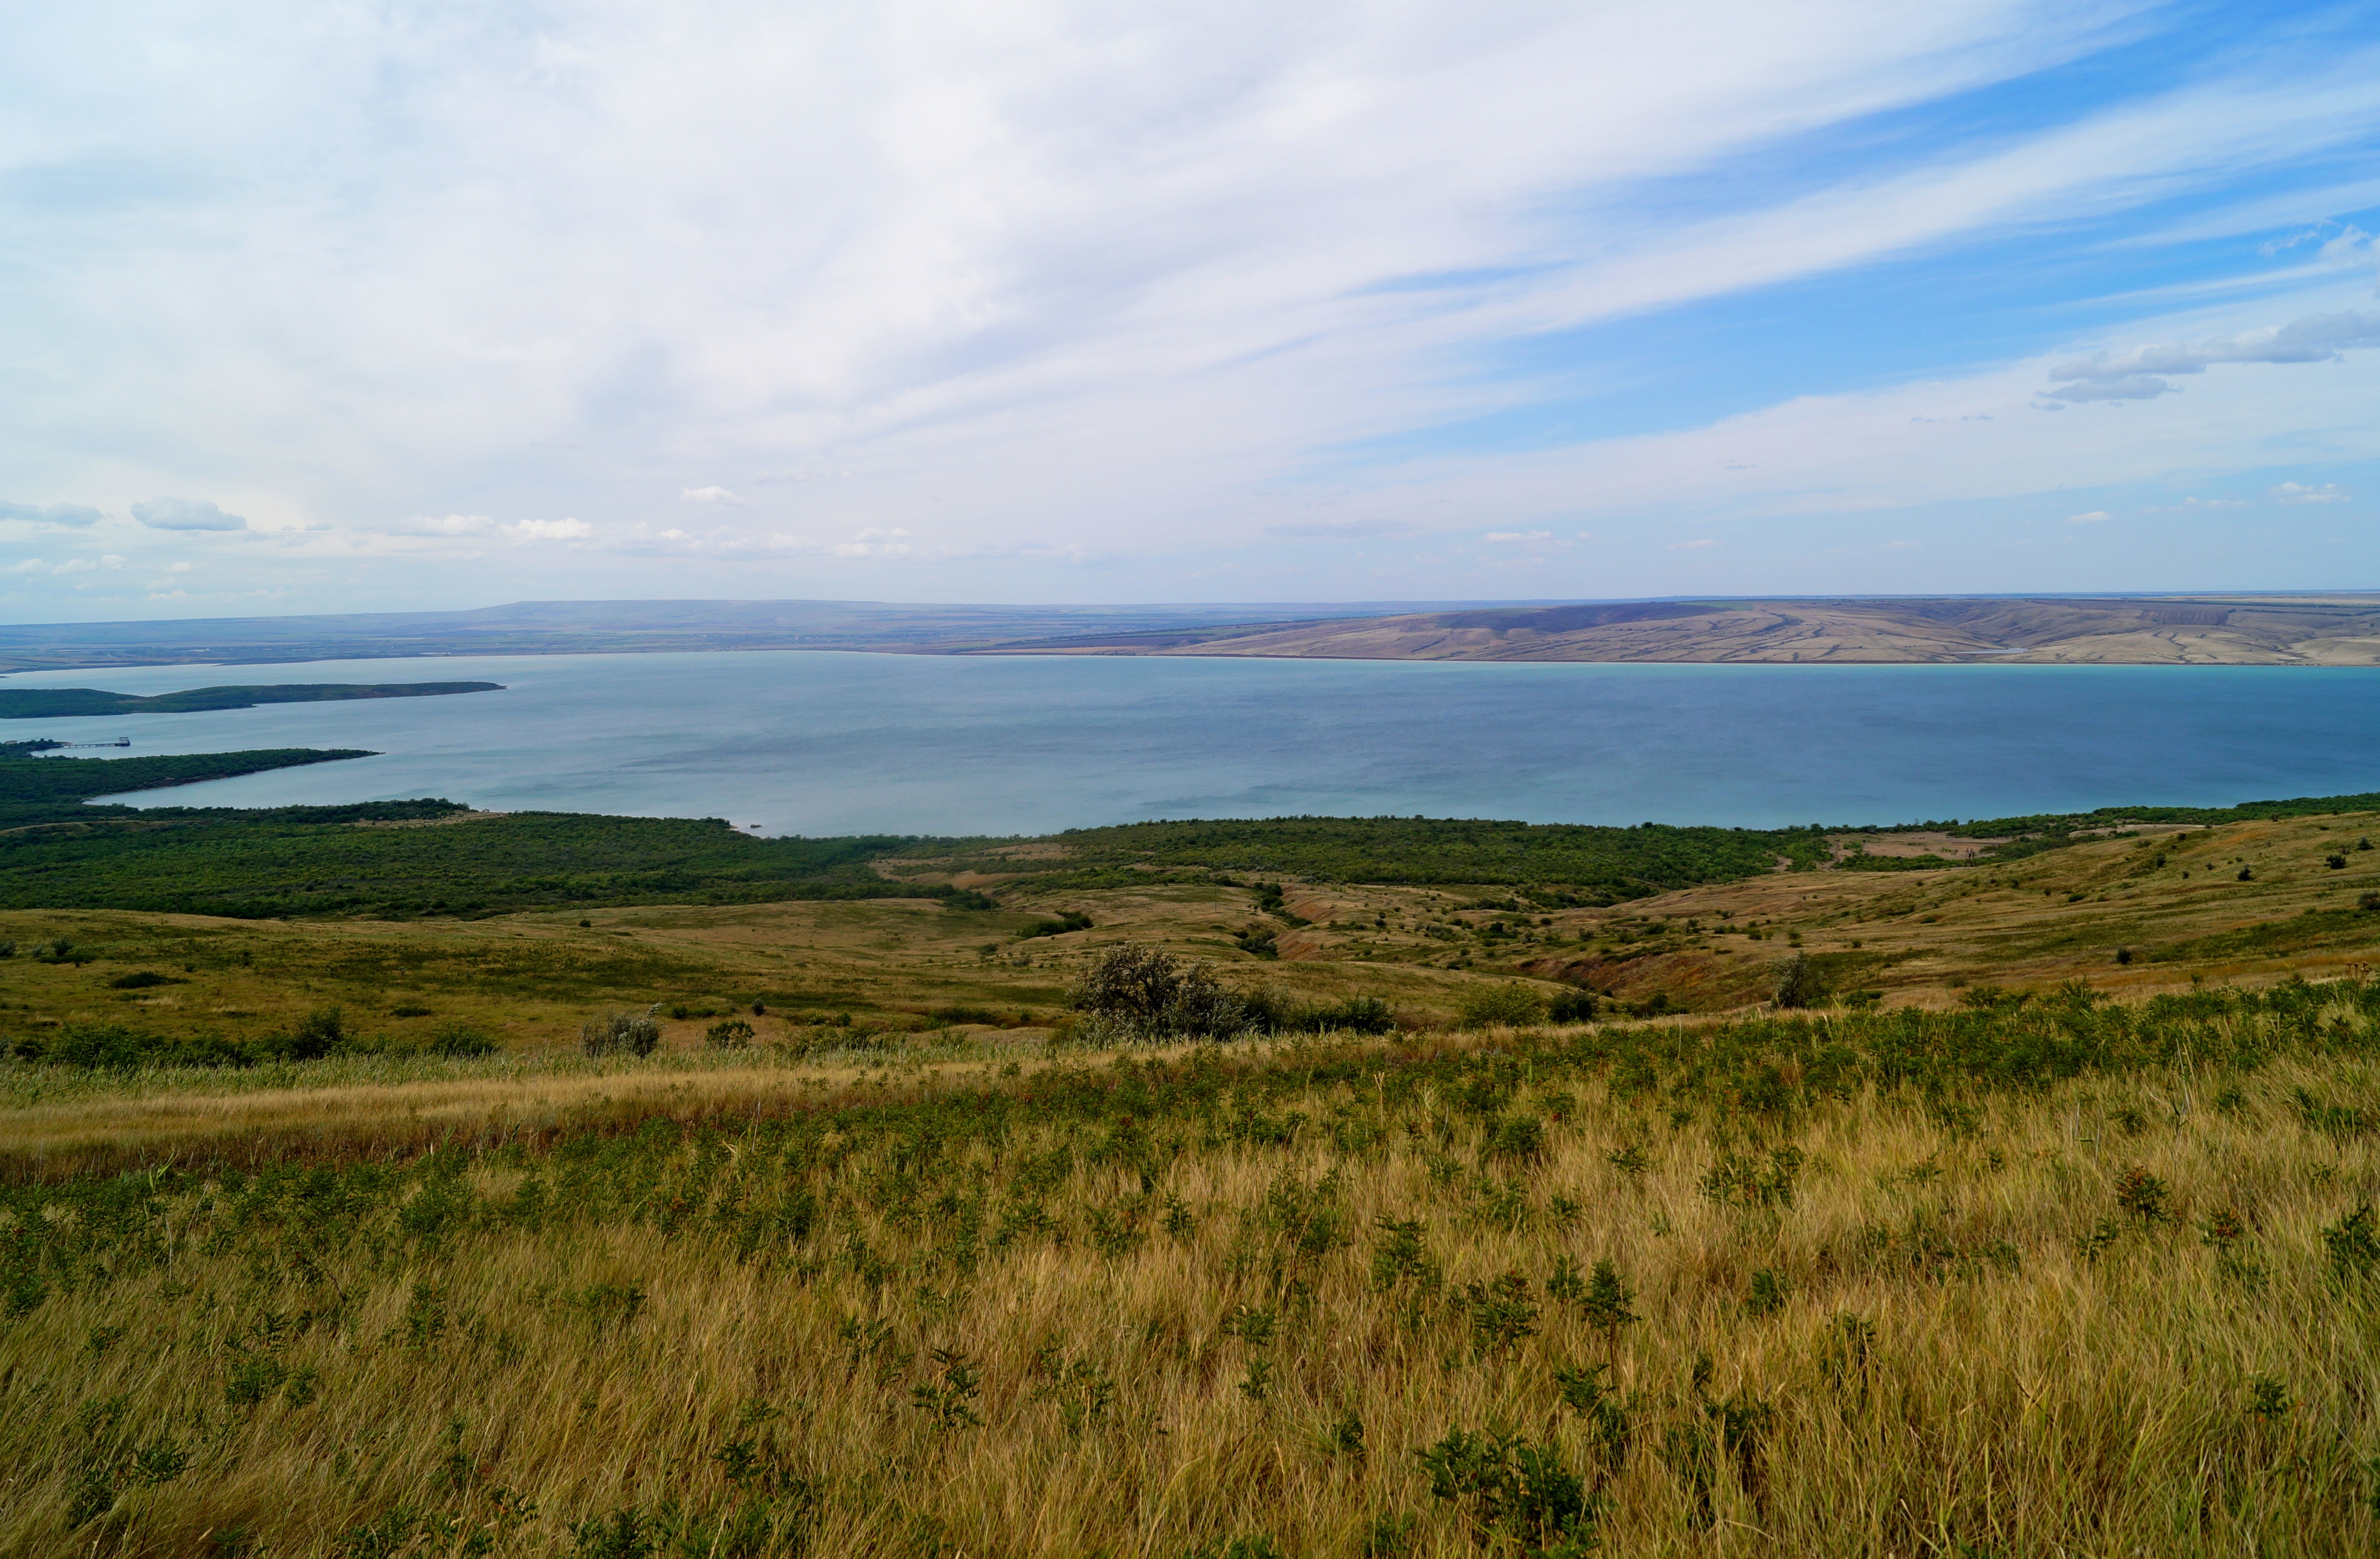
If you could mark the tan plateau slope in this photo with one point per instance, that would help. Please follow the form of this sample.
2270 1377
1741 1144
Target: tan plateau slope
2342 629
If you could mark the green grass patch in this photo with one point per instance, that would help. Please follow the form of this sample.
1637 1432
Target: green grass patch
2271 938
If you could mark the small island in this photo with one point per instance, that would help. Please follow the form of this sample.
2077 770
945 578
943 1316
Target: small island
61 703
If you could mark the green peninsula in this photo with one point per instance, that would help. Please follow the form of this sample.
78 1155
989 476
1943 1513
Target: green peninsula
42 789
60 702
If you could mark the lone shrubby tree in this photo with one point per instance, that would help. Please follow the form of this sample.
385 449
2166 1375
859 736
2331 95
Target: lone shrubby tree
1146 993
1800 983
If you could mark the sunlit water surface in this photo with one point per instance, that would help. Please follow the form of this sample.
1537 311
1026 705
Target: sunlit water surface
801 742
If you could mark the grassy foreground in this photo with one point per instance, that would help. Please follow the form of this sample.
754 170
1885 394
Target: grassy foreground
2057 1277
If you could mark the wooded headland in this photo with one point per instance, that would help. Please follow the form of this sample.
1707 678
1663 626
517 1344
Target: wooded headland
59 703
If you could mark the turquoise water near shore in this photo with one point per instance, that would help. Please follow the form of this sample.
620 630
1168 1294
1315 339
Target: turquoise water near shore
802 741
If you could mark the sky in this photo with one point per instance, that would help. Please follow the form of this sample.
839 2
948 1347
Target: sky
356 305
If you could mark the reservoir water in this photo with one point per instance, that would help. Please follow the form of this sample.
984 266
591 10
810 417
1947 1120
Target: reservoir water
828 744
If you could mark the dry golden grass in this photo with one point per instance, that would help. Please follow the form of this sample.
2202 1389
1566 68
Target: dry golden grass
171 1118
1976 1348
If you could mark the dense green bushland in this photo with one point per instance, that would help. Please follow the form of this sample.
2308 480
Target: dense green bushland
307 860
51 703
2246 812
322 1034
313 861
2036 1276
328 860
1601 865
2050 829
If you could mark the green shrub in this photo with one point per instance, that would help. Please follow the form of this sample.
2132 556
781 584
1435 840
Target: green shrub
2353 1243
113 1047
1516 1136
318 1033
1510 1490
1570 1007
1511 1005
1356 1014
981 1015
620 1032
460 1040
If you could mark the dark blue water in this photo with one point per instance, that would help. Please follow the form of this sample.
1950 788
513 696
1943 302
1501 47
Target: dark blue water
825 744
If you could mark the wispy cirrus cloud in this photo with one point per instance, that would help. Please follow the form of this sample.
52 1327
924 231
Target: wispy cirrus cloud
1324 530
859 295
74 515
462 526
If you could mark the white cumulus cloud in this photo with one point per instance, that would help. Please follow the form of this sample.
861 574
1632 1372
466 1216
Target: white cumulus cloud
2293 492
549 530
876 543
707 495
185 513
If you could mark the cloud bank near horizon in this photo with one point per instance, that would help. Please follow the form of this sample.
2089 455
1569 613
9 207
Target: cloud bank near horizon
446 303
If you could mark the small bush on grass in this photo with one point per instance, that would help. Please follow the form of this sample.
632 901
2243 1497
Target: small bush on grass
620 1033
1511 1005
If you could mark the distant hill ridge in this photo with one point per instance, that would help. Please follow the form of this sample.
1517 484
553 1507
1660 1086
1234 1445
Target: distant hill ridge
2341 629
2273 629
